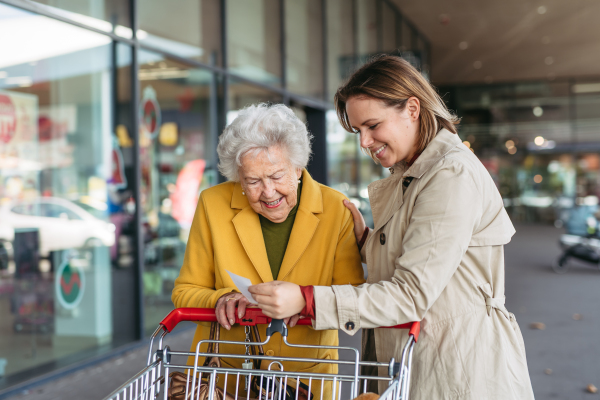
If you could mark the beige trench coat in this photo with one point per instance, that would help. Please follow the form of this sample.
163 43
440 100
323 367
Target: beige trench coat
436 256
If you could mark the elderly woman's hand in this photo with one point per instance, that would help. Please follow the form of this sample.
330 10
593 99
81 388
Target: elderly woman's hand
279 299
225 308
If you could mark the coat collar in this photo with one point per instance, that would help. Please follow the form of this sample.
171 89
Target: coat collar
386 195
247 226
441 145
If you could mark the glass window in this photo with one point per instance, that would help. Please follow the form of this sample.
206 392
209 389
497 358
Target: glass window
388 28
366 14
340 43
342 153
178 127
192 29
304 44
106 15
58 148
242 95
254 40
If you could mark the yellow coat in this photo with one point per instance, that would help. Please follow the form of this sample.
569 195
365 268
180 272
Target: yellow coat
226 235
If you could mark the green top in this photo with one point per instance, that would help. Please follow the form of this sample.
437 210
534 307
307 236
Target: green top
277 235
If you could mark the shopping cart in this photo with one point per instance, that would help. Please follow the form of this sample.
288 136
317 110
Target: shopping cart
153 381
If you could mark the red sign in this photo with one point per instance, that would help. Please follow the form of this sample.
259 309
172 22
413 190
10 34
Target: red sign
185 196
150 112
8 119
118 178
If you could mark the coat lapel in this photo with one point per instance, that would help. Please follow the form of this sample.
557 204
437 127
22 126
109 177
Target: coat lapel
247 227
386 199
305 224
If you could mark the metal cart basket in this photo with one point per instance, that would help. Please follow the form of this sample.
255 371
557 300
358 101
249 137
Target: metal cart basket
274 383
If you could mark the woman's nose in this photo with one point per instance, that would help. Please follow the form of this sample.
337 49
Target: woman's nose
365 139
268 190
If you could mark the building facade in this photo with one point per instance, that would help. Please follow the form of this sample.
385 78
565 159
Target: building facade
110 113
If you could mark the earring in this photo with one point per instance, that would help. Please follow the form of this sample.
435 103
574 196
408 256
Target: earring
299 181
243 193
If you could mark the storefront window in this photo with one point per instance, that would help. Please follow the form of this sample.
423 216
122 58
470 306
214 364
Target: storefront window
178 126
342 152
242 95
366 15
341 60
254 40
304 43
64 181
191 29
106 15
388 28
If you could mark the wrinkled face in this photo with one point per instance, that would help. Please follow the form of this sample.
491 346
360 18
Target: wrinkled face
270 182
389 133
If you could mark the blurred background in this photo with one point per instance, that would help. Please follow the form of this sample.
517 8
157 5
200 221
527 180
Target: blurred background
110 113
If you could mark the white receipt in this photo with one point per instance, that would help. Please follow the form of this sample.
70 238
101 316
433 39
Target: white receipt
242 284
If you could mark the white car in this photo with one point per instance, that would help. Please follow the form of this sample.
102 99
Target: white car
61 224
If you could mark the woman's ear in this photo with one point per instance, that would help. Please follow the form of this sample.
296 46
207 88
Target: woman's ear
413 106
299 172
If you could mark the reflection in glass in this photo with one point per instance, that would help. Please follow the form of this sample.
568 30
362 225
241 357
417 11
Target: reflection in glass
59 189
191 29
340 44
254 40
304 43
178 120
366 15
242 95
388 28
105 15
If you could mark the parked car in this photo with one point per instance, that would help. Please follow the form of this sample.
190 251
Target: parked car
61 224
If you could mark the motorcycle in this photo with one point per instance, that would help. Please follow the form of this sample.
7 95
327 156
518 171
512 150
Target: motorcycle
581 247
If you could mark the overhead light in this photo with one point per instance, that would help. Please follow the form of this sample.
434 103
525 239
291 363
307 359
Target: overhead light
509 144
512 150
538 178
466 143
579 87
539 140
463 45
542 10
538 111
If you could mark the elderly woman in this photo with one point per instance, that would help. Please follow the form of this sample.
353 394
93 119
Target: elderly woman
270 221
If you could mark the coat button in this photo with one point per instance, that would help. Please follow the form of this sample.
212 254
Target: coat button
382 238
270 353
349 326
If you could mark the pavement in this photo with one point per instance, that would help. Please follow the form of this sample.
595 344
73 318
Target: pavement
563 357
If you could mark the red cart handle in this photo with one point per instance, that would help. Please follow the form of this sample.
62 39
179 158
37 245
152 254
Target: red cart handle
252 317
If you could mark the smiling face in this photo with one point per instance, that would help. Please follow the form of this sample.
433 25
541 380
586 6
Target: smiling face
389 133
270 183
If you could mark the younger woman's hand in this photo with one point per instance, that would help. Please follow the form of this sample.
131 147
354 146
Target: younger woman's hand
359 221
279 299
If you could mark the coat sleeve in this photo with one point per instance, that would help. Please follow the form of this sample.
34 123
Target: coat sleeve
195 285
347 266
445 215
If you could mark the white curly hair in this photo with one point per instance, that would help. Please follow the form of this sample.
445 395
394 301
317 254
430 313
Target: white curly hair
260 127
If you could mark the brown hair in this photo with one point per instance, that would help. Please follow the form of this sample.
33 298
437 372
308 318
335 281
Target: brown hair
393 80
